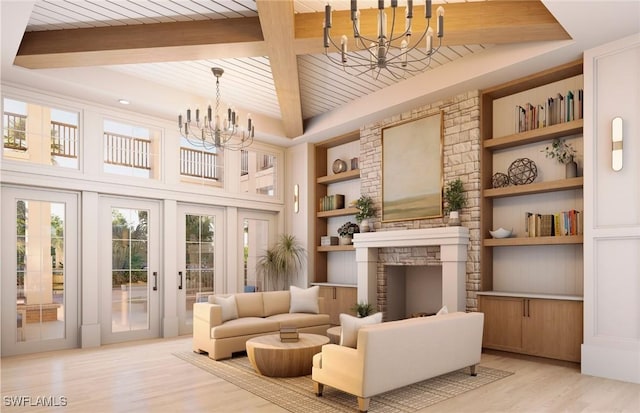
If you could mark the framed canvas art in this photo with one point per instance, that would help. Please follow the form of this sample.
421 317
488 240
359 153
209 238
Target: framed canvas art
412 169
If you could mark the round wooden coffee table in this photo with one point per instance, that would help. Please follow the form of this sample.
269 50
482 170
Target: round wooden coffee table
271 357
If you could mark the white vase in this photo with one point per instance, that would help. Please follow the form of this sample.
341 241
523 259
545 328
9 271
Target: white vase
571 169
364 226
346 240
454 219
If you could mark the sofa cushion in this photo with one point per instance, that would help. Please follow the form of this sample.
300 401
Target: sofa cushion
304 300
244 327
300 320
228 306
250 305
351 325
276 302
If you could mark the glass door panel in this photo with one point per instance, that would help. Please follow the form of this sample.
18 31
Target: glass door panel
130 280
201 259
40 261
258 233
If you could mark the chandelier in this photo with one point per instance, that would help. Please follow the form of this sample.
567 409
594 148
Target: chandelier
392 50
211 132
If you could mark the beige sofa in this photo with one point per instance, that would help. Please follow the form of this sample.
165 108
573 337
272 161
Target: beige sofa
398 353
257 314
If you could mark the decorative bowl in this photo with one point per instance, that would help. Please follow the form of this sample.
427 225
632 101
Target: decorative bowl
501 233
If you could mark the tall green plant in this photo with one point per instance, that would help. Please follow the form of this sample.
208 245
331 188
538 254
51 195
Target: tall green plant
454 195
280 264
365 208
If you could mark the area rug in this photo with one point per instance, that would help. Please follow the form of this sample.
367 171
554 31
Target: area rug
295 394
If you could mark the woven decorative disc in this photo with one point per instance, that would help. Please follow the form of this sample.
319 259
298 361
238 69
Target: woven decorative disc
499 180
522 171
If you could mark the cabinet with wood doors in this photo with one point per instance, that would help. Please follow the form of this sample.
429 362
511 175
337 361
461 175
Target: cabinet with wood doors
521 265
546 327
338 299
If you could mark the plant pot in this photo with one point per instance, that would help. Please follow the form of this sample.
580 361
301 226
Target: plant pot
571 169
364 226
346 240
454 219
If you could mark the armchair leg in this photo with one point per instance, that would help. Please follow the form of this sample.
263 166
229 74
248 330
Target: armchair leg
363 403
318 387
473 370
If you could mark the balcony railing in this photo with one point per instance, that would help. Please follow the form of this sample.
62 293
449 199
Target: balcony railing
15 134
127 151
64 137
198 164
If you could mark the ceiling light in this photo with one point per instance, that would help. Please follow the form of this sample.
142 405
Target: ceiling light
390 50
212 132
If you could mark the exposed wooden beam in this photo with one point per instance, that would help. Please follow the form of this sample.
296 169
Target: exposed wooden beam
485 22
277 20
142 43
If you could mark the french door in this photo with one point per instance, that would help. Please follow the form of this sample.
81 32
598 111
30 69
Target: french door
200 259
130 276
258 231
39 270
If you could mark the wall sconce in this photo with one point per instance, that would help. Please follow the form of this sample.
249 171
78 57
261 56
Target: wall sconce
296 198
616 144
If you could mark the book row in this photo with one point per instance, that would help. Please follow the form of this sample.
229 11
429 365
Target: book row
331 202
550 225
558 109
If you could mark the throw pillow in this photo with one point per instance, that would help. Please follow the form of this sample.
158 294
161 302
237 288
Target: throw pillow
304 300
443 310
351 325
229 308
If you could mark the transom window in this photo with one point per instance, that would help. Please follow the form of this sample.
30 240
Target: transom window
40 134
130 150
258 172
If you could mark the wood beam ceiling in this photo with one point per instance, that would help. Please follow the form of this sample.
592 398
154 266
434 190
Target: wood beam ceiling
277 33
277 21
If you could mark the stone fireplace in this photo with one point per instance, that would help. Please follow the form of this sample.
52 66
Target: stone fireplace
443 247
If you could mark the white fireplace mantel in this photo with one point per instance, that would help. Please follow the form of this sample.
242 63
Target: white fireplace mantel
453 242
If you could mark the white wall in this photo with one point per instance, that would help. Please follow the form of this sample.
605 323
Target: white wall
611 346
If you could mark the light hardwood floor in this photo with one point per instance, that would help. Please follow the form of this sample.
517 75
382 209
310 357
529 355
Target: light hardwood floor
145 377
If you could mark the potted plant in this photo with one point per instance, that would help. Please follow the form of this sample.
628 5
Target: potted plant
456 200
346 232
565 153
365 211
281 263
363 309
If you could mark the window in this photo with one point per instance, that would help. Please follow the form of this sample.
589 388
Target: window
129 150
258 172
39 134
203 164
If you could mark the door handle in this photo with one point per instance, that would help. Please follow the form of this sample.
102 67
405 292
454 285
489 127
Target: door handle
180 275
155 281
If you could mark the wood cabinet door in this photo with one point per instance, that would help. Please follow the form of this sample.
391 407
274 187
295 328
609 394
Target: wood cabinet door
553 328
346 297
502 322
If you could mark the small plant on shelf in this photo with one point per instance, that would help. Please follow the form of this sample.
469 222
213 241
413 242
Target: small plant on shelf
562 151
348 229
366 210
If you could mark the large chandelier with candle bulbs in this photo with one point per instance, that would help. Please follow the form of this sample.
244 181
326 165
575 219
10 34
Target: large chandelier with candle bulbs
393 50
212 132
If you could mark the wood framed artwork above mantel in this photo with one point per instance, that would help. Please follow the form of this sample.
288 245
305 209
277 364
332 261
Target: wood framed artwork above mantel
412 169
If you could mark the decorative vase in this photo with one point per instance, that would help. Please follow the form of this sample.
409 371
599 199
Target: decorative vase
364 225
454 219
571 169
346 240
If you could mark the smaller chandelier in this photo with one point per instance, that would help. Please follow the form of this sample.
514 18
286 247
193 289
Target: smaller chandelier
389 50
211 132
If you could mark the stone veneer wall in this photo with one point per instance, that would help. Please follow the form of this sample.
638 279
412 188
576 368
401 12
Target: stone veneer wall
461 160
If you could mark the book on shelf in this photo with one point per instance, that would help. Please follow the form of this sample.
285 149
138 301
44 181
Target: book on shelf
331 202
552 225
556 109
328 240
